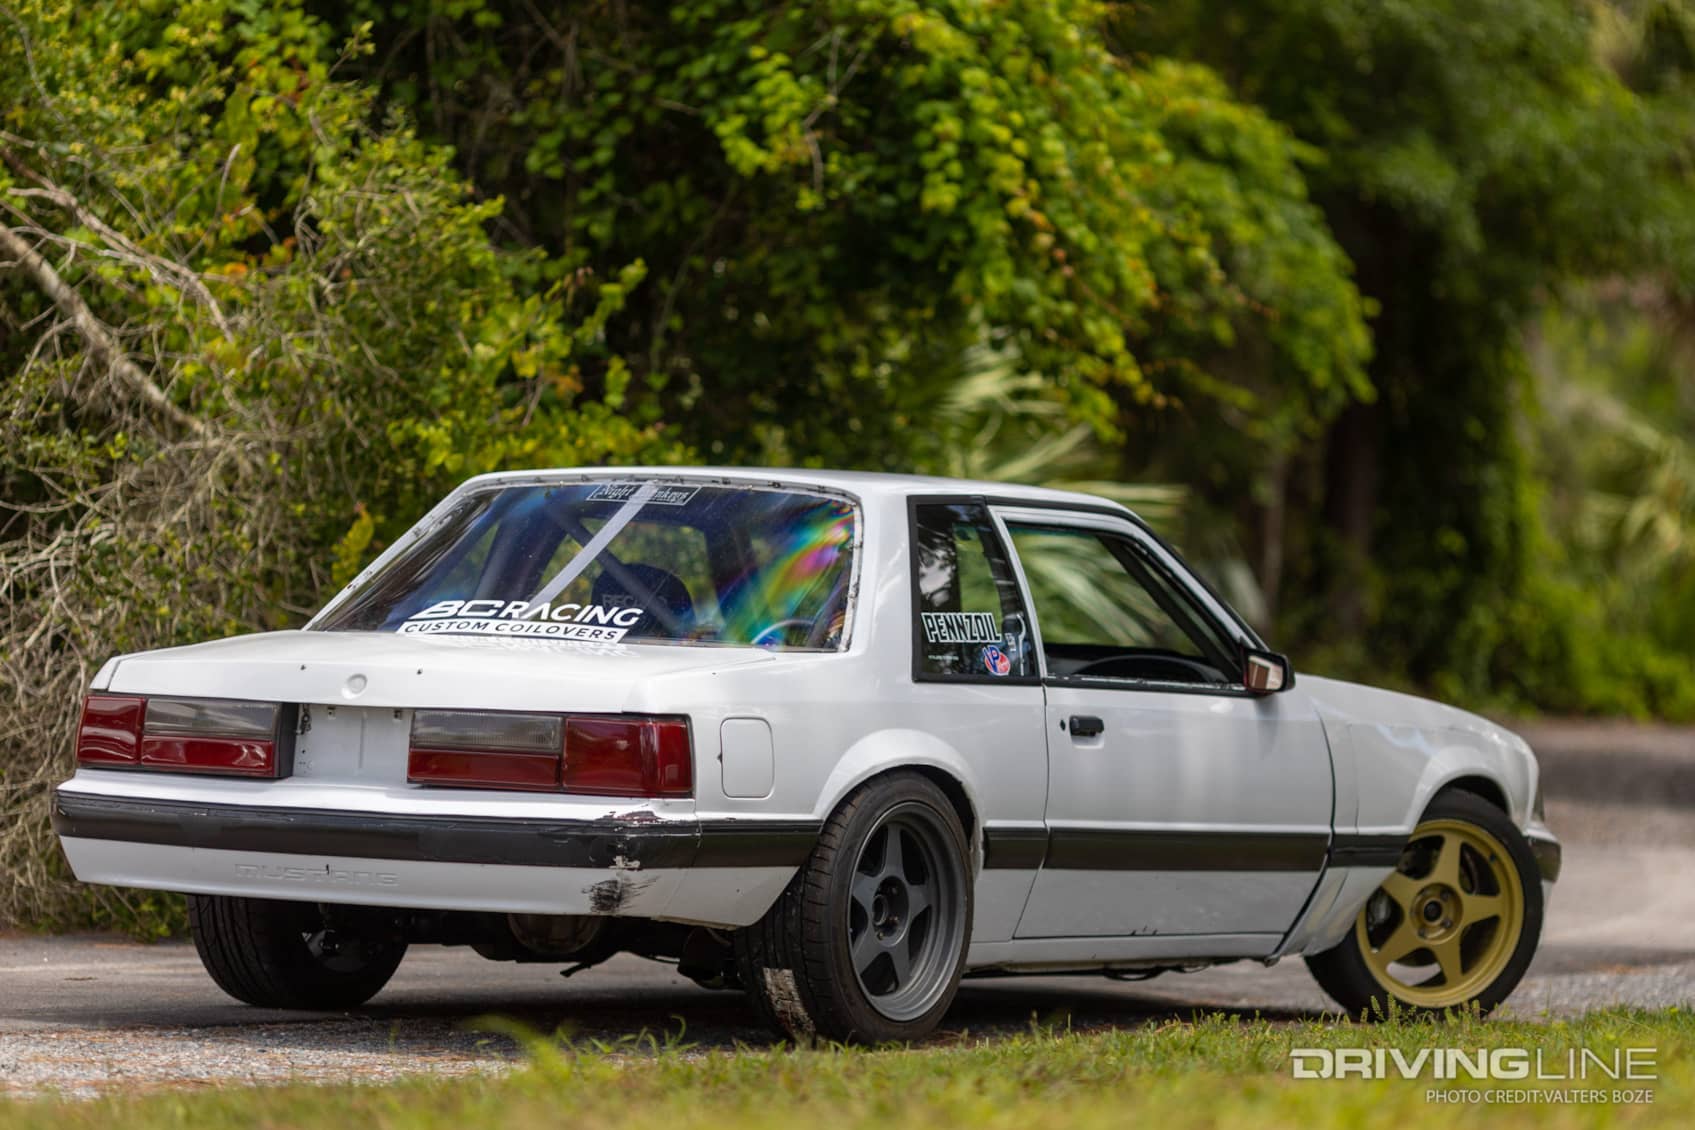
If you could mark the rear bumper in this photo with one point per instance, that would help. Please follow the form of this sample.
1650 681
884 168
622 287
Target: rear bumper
721 872
513 841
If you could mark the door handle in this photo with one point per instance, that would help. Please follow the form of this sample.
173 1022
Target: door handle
1086 726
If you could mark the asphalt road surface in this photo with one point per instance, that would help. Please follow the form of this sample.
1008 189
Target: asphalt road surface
80 1015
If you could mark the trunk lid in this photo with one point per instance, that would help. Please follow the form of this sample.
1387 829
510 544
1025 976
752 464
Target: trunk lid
357 690
388 670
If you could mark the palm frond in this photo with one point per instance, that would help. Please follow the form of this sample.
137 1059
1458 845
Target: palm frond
1009 427
1643 509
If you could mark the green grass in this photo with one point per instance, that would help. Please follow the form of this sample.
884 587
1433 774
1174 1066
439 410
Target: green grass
1213 1072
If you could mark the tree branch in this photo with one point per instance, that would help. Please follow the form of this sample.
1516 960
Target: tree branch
102 346
184 278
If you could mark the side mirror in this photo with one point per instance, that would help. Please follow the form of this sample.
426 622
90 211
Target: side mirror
1267 672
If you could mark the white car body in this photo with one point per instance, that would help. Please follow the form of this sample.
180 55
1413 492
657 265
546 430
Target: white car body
1201 825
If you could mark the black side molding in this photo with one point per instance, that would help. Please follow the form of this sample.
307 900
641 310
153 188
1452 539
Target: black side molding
1090 849
1114 849
1014 849
1353 849
437 839
1111 849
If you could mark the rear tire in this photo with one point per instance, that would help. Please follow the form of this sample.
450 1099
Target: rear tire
292 954
868 942
1432 938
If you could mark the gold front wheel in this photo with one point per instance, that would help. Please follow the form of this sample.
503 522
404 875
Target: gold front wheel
1445 925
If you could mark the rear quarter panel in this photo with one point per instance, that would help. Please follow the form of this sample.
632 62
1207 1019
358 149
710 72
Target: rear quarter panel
839 720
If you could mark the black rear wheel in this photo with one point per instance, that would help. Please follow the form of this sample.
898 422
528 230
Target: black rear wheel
293 954
868 942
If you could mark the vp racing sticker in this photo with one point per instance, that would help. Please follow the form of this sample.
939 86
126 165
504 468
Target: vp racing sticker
591 623
961 627
996 661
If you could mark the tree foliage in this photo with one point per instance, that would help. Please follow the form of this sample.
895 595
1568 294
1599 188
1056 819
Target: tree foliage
1477 156
1613 449
835 200
241 325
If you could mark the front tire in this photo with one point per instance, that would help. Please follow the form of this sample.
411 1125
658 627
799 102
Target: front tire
1454 926
868 942
292 954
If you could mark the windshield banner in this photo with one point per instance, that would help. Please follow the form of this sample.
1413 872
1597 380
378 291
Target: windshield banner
566 621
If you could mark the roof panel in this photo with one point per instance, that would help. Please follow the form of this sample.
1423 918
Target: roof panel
879 483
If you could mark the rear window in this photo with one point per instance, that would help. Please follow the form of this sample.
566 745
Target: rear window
603 562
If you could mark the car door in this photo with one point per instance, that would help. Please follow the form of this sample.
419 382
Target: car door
975 680
1178 802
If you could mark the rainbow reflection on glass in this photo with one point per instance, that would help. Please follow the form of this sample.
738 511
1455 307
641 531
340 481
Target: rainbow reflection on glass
805 556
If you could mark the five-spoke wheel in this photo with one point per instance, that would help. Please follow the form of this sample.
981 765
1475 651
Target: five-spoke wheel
903 926
868 942
1455 923
1445 923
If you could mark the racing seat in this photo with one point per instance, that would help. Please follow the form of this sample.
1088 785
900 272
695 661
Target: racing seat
611 591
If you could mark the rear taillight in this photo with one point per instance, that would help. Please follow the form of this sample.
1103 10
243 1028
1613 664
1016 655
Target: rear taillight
628 757
485 750
612 755
110 733
189 735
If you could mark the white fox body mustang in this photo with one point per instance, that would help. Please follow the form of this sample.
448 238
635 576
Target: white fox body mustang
833 739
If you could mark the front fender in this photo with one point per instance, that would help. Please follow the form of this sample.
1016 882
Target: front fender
1401 769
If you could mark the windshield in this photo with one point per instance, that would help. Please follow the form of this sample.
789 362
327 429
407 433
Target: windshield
600 562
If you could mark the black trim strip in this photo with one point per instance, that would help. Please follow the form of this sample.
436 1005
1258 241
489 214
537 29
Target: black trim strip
435 839
1353 849
1101 849
688 843
1080 849
1014 849
1214 690
749 843
1104 849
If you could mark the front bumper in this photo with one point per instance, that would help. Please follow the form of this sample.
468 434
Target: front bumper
720 872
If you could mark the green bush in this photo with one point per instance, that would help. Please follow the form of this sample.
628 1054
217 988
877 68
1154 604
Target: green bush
258 336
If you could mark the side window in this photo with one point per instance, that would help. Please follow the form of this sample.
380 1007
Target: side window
969 617
1108 610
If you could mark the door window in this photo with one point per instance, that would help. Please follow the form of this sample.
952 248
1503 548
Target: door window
969 619
1107 609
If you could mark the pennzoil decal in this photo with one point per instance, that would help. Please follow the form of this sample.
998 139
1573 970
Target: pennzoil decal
961 627
590 623
623 492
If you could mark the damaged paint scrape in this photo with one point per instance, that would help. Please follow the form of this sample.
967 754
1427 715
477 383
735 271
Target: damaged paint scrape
614 894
